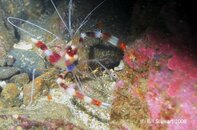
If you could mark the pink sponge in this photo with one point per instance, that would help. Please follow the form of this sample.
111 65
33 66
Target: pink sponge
171 90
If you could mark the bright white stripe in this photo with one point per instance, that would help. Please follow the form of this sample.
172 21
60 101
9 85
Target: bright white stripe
70 91
59 80
48 52
75 57
87 99
113 40
98 34
67 57
83 35
34 40
105 105
73 47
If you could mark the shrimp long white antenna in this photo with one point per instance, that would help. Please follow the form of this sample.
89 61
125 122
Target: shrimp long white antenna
78 82
61 18
32 87
69 17
85 19
9 19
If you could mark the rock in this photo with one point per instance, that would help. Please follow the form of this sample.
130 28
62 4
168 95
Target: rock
109 56
2 61
10 60
7 72
20 79
41 86
10 92
27 61
7 38
9 96
7 61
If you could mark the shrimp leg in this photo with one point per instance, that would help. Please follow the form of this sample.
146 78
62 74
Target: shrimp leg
53 57
105 37
69 89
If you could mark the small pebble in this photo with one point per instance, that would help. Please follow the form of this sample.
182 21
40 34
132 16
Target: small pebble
10 92
10 60
2 84
20 79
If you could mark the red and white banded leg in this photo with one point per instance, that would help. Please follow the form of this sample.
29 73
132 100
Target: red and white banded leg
77 94
52 56
105 37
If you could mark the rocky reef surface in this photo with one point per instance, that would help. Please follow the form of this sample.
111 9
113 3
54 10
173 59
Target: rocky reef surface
156 81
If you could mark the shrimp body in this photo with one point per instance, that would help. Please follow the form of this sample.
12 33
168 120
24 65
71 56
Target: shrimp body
66 62
69 60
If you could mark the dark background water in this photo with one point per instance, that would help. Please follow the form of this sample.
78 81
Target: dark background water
132 18
127 19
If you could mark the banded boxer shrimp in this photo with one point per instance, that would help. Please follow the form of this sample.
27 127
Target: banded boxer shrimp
68 61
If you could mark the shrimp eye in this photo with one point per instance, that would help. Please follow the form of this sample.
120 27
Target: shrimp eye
70 51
